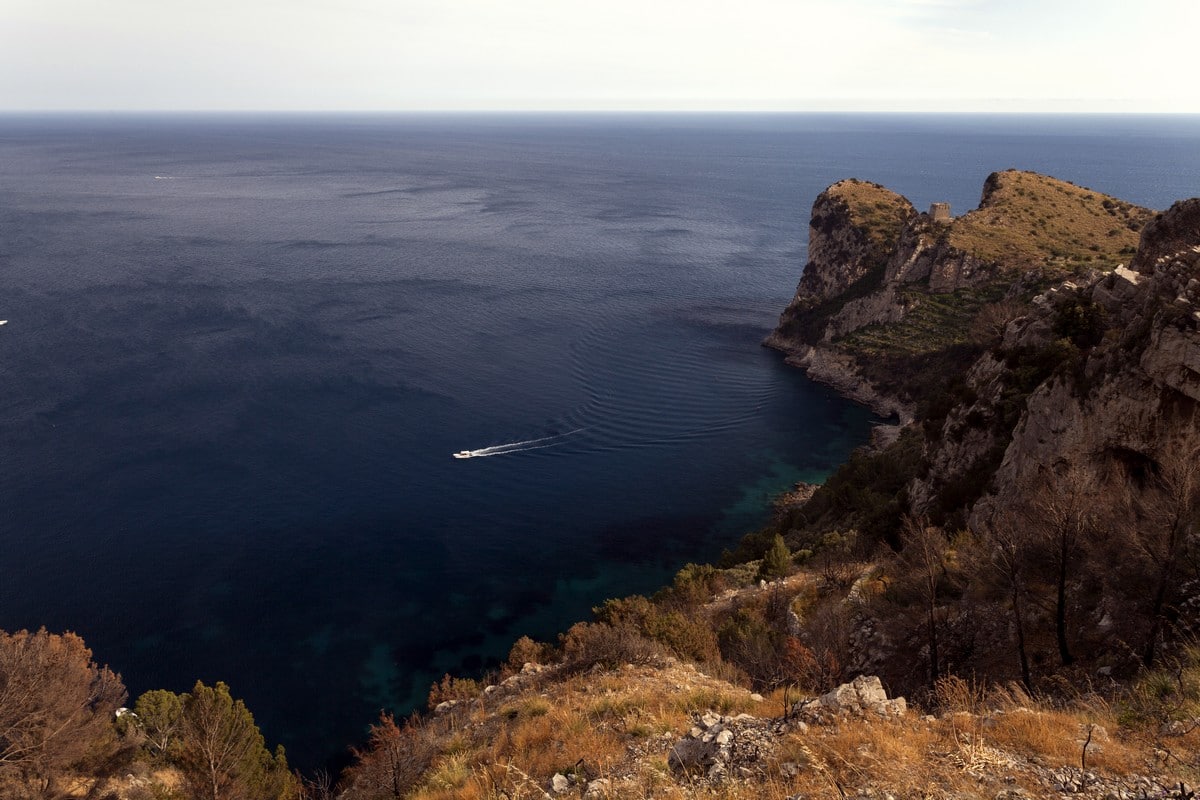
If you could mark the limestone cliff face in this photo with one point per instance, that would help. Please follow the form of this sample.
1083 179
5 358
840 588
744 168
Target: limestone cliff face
891 300
1136 393
853 227
1118 396
1042 328
854 231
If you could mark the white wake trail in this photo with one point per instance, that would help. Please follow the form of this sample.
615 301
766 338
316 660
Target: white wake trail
518 447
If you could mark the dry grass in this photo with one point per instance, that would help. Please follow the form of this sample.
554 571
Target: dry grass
596 724
620 724
1033 220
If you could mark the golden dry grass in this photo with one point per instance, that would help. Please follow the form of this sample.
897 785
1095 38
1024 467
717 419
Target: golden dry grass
595 724
620 725
1034 220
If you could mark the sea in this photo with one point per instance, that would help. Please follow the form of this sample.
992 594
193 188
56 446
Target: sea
242 351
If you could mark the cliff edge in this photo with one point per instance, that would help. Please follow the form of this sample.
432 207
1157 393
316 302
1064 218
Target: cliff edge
892 300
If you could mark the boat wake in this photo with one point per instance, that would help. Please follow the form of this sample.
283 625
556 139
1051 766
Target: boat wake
517 447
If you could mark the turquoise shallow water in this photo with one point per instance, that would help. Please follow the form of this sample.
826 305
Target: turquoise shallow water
242 350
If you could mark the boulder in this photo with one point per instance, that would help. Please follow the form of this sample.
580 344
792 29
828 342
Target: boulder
863 695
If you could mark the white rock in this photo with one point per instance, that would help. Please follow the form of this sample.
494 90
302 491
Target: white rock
597 789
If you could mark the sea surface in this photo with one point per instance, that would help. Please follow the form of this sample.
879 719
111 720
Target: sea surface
241 352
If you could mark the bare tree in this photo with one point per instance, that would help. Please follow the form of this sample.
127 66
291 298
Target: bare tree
987 328
56 706
392 762
1064 512
924 553
1170 512
318 787
1007 545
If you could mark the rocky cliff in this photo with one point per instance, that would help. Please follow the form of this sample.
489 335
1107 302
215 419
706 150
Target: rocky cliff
1052 383
891 299
1120 350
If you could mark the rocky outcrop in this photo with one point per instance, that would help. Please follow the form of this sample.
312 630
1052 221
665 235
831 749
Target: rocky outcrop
1165 235
845 234
1118 407
864 695
854 230
718 748
841 372
924 255
886 288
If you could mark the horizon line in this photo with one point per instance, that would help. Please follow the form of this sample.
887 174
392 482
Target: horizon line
598 111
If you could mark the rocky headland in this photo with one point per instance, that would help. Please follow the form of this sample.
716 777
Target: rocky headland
890 296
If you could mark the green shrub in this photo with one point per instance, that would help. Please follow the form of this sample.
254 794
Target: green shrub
1168 694
687 635
591 644
776 562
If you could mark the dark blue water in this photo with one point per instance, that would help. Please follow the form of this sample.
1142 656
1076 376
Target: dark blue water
242 350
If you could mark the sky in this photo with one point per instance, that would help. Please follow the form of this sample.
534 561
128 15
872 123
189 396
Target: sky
628 55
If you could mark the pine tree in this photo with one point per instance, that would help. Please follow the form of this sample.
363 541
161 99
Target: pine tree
223 754
158 713
777 561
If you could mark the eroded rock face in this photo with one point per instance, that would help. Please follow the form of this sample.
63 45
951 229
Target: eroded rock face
1131 395
1169 233
840 372
864 280
833 238
853 231
842 245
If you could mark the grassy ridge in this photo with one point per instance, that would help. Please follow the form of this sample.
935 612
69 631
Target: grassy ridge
1031 220
877 210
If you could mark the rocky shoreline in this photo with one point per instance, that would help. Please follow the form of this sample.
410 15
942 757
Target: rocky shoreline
839 372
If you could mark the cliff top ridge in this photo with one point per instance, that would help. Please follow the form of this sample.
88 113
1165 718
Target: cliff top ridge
1026 219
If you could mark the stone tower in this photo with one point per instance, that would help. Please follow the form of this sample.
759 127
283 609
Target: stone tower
940 212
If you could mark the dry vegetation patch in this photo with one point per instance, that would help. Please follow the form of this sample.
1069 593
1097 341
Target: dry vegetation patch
1029 220
876 209
613 730
613 725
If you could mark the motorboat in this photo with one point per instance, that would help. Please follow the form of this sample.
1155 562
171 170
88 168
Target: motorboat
463 454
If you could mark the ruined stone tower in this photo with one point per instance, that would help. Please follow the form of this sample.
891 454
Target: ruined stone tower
940 212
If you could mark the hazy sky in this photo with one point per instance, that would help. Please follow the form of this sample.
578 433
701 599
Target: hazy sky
1070 55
